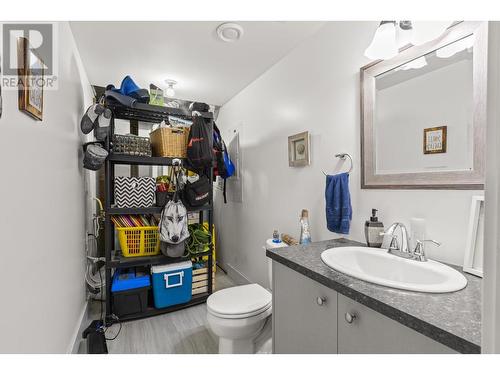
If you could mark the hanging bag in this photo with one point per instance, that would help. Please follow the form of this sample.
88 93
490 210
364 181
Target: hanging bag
173 226
224 166
199 147
198 193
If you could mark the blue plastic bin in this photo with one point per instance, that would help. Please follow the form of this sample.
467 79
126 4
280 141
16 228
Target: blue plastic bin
172 284
129 291
129 278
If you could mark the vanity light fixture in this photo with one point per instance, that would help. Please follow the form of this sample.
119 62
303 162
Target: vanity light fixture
170 92
393 35
404 33
425 31
383 45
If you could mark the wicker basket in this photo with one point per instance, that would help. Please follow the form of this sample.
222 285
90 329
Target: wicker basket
170 142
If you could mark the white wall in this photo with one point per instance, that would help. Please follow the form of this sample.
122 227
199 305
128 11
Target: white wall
42 200
315 88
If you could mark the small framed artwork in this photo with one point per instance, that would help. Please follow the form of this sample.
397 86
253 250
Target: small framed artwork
30 72
435 140
473 259
298 150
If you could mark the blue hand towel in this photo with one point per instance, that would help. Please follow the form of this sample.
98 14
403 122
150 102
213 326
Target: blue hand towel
338 203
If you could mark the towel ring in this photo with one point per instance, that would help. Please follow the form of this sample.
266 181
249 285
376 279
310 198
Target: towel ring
343 156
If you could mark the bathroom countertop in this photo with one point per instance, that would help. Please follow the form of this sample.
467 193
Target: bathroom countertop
453 319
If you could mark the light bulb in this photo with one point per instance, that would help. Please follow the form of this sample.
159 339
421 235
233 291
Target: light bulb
170 92
383 45
425 31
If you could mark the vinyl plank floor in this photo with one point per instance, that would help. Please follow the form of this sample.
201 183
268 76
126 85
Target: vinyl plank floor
180 332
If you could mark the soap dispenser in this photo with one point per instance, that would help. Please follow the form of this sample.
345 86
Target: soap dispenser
373 230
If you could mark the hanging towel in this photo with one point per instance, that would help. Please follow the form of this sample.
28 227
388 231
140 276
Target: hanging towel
338 203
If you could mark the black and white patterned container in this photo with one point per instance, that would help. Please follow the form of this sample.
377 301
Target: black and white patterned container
134 191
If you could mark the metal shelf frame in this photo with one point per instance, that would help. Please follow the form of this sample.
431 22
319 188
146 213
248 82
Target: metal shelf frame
144 113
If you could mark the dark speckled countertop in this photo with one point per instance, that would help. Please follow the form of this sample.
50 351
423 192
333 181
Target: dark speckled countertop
453 319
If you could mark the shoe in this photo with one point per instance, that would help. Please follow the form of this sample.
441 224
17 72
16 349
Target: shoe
101 125
92 113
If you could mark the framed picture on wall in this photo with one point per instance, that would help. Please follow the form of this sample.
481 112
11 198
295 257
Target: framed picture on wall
298 150
435 140
30 72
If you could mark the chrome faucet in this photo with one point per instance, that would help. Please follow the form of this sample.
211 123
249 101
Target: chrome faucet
419 252
394 248
405 251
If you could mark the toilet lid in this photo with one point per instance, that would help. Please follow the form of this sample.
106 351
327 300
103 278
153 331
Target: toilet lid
240 301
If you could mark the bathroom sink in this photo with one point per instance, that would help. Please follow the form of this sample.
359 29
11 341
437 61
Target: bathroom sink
379 267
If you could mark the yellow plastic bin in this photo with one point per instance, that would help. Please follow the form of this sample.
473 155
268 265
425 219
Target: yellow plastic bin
139 241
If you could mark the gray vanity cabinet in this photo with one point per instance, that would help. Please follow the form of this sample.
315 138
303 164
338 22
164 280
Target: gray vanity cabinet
304 314
309 317
362 330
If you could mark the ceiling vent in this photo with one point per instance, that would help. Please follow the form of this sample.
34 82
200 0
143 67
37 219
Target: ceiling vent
229 32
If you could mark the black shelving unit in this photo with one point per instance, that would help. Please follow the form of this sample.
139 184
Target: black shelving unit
114 259
151 210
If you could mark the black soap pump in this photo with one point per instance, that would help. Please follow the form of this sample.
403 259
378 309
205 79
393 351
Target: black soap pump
373 230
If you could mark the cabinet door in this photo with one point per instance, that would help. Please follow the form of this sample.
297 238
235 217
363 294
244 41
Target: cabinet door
304 314
371 333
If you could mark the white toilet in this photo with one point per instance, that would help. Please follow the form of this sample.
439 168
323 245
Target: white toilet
240 316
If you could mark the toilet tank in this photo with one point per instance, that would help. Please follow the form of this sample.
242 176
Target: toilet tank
272 245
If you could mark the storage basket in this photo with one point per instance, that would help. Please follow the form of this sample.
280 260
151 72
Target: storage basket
129 291
170 142
133 192
131 145
139 241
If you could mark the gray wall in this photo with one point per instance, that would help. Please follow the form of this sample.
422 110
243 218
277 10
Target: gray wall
43 213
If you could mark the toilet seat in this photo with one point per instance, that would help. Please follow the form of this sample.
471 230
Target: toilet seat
239 302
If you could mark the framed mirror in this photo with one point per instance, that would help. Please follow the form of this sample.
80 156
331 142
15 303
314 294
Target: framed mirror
423 114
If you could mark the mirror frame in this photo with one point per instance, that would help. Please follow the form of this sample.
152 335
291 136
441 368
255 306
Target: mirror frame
458 180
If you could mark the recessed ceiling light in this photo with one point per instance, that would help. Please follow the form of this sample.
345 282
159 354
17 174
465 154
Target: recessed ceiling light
170 92
229 32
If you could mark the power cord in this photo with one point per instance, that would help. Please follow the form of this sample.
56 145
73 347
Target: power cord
116 335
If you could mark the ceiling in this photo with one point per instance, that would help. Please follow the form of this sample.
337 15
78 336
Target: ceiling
206 68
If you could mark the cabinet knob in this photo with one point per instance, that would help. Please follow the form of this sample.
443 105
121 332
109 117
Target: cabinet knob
349 318
321 301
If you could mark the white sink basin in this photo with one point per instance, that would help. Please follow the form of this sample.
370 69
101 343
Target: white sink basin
379 267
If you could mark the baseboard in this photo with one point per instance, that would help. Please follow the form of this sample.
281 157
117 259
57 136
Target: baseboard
82 323
237 276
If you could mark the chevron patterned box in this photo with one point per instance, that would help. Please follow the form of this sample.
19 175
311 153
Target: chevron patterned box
134 191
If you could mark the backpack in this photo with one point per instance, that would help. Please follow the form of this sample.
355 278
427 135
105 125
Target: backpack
199 147
173 226
225 167
198 193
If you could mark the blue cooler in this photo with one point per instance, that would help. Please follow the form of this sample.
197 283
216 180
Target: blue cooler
172 284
